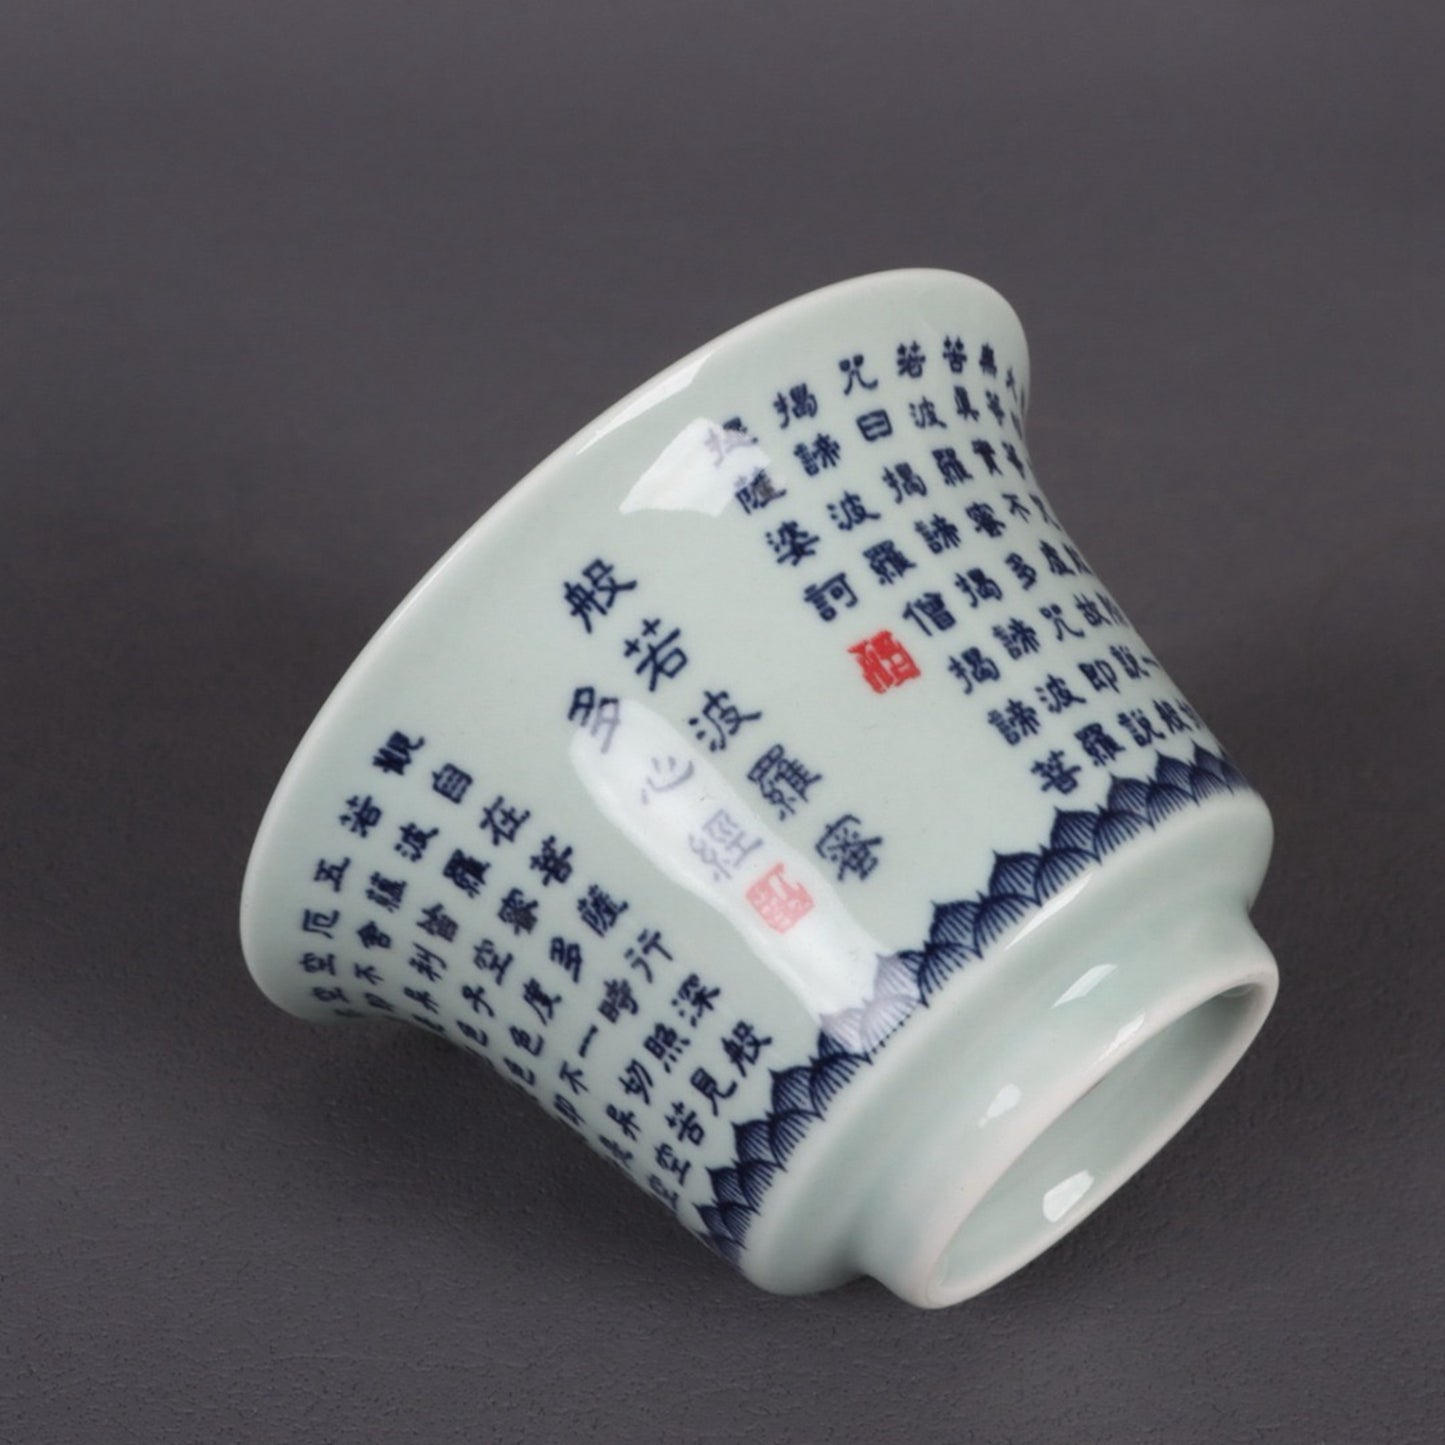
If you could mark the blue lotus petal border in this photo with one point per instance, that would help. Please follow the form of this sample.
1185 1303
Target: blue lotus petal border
959 932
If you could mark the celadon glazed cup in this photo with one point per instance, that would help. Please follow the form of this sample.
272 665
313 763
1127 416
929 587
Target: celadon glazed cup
769 787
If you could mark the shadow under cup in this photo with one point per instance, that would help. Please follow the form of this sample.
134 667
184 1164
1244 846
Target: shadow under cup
768 787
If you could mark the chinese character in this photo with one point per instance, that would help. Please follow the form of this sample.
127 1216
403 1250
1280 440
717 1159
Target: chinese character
1116 613
502 820
971 666
636 1080
362 815
977 586
822 454
910 360
586 1041
799 402
710 1089
571 1075
1018 637
542 1003
568 955
1038 501
887 562
436 922
782 780
522 1076
930 611
332 873
844 846
743 1046
1090 611
875 425
319 963
625 1119
1133 667
954 353
596 593
884 661
939 533
1170 718
372 937
727 438
1016 508
719 720
1016 722
827 596
1057 565
386 892
950 468
778 901
849 511
1098 744
566 1109
923 414
317 920
430 965
648 942
1052 612
554 864
599 910
412 840
1011 452
661 657
526 1042
663 776
723 845
1021 569
755 492
962 405
394 754
994 405
986 362
1056 695
519 913
692 999
903 481
1100 675
1137 724
476 995
852 368
685 1123
1055 773
424 998
451 782
665 1045
367 973
984 450
599 716
466 872
674 1165
983 519
617 999
791 543
490 959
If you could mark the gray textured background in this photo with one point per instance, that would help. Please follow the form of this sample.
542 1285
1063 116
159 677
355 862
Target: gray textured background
289 292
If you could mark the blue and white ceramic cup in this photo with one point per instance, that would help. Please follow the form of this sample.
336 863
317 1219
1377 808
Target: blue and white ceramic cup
770 788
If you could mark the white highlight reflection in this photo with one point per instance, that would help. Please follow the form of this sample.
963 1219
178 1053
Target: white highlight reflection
1006 1099
700 470
692 824
1063 1196
1085 983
